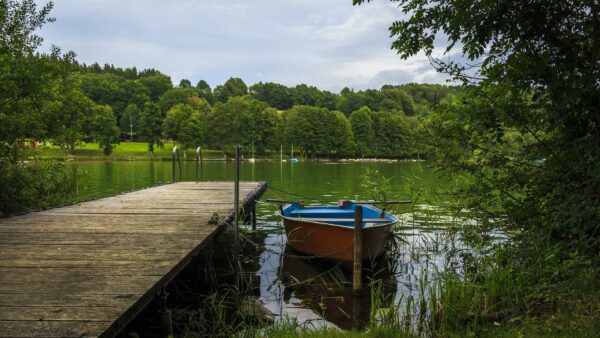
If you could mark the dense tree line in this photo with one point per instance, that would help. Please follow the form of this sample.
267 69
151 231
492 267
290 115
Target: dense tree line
268 115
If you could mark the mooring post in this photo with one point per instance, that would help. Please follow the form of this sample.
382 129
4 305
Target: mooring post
201 165
166 323
174 152
179 162
197 162
357 266
356 307
236 208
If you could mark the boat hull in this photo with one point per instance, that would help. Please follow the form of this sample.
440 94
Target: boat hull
335 242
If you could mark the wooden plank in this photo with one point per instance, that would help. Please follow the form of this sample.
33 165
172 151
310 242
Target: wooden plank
97 263
11 328
36 275
63 300
67 253
87 269
55 313
100 286
114 239
128 247
16 273
108 226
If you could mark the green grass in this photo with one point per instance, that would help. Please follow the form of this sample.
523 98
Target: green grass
291 329
121 151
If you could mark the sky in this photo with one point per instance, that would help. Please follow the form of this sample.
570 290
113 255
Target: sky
326 43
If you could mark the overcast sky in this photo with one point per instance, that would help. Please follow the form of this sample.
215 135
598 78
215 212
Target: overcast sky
326 43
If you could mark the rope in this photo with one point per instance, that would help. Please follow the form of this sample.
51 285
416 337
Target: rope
271 188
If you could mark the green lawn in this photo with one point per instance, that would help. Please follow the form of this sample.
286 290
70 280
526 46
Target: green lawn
122 151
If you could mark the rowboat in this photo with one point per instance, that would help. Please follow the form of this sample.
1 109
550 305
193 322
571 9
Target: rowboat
328 231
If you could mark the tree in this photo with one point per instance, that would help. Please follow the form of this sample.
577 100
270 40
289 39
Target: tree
232 87
404 101
175 96
342 136
71 115
273 129
315 131
135 93
113 90
184 122
151 125
176 118
274 94
203 85
185 83
104 89
362 128
205 92
392 136
31 85
156 83
327 100
105 130
241 120
349 101
298 129
303 95
538 79
192 132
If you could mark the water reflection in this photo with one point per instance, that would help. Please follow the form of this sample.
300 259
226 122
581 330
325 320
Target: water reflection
326 288
428 240
427 243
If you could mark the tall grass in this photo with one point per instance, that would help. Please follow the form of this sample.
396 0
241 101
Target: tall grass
27 185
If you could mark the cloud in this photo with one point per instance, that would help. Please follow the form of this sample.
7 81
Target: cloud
330 44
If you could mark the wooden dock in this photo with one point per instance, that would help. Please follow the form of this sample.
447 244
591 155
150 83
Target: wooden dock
88 269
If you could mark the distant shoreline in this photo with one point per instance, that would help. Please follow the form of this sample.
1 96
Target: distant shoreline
138 151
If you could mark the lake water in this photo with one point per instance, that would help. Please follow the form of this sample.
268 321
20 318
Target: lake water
426 243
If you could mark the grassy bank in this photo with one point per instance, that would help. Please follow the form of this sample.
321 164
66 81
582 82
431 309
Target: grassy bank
127 151
124 151
462 310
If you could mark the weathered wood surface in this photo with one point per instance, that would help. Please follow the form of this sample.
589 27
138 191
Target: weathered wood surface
87 269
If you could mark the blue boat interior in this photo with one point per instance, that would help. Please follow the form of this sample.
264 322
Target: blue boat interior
338 215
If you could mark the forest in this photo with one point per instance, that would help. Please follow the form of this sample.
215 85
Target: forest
146 106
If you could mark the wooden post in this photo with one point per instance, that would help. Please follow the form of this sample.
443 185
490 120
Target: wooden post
201 165
166 323
197 162
254 217
357 266
356 307
174 151
179 162
236 208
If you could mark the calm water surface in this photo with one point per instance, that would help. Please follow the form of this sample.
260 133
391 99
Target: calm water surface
429 243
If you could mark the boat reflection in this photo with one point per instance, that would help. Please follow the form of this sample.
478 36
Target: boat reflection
326 288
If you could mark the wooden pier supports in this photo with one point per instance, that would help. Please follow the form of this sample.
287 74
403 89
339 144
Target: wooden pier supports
236 213
199 165
176 157
166 322
173 163
357 266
